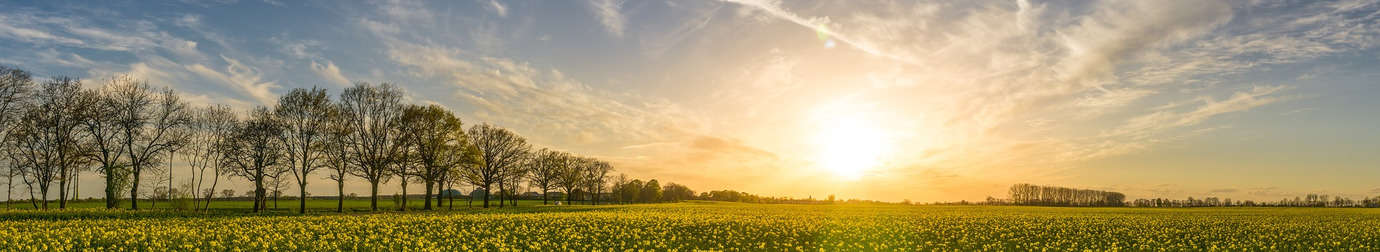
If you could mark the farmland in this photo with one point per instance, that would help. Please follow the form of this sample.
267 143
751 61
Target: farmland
703 226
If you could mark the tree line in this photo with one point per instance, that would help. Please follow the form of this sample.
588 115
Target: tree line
1027 194
129 133
1311 200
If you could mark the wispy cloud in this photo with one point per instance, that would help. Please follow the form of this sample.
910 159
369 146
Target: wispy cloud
497 8
610 14
330 73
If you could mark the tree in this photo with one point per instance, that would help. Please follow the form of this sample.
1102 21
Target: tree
616 191
651 192
1027 194
100 120
305 115
512 180
48 138
371 113
500 150
253 152
632 191
210 128
673 192
437 142
148 122
545 169
14 84
595 173
403 167
571 175
337 157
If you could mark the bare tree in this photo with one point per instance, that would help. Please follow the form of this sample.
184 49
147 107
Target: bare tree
253 152
513 178
100 120
148 122
596 173
14 84
436 139
500 149
616 191
403 166
544 170
570 175
48 138
305 115
337 157
371 113
210 128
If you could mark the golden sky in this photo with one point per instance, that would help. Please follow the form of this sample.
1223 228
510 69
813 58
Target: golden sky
886 100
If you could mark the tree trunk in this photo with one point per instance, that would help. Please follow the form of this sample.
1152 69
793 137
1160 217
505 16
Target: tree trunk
427 204
44 190
374 195
403 207
214 182
134 189
62 191
340 201
302 207
486 196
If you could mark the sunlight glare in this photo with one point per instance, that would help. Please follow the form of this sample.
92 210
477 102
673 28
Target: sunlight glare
848 142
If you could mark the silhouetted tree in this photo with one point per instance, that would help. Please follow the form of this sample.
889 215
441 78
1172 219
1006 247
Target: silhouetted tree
545 168
1027 194
651 192
211 127
148 122
596 172
305 116
673 192
571 176
500 149
337 157
100 121
371 112
253 152
48 137
14 85
632 191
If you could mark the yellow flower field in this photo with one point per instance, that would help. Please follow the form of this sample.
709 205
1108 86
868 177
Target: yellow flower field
706 226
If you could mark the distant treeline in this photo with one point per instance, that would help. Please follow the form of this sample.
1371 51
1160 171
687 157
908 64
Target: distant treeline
1036 195
1311 200
736 196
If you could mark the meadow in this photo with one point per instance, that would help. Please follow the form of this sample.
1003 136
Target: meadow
701 226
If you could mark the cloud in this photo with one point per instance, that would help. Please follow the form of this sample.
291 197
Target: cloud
610 15
330 73
497 8
821 25
239 77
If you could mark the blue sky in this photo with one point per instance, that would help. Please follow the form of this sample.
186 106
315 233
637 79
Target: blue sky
884 100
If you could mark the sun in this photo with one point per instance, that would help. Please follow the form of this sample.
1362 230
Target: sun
848 144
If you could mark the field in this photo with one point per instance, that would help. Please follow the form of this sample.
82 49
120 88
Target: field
703 226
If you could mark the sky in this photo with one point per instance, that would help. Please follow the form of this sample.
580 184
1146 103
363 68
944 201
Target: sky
882 100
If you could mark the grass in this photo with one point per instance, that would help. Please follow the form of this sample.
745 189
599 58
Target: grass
704 226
